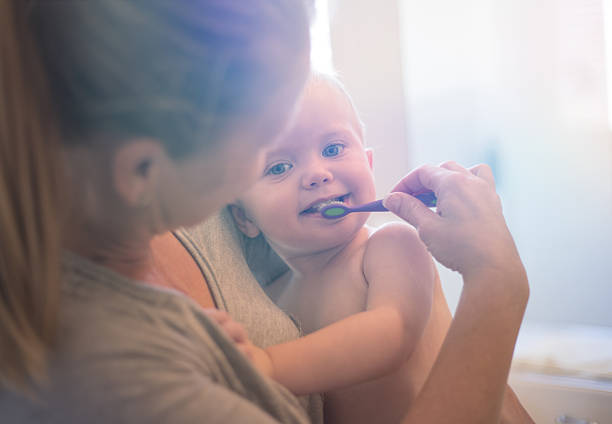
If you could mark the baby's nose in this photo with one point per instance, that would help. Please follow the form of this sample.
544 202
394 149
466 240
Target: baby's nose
317 178
318 181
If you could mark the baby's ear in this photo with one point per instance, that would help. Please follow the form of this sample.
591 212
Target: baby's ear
242 221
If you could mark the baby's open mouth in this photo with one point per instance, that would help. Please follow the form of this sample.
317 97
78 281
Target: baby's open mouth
317 207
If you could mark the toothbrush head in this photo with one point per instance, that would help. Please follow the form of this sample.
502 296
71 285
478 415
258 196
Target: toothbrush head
334 210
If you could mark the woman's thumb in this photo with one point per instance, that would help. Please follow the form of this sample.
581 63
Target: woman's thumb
408 208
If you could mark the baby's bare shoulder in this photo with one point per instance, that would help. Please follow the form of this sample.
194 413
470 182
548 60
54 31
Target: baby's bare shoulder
393 228
397 244
397 235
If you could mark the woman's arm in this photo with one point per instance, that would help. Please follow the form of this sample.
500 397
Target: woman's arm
468 234
468 380
512 411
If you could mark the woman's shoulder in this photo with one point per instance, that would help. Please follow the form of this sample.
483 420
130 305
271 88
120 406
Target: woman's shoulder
124 313
132 353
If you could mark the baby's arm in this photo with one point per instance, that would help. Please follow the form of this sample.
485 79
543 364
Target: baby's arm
400 274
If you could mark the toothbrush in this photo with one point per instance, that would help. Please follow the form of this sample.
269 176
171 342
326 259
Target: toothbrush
337 210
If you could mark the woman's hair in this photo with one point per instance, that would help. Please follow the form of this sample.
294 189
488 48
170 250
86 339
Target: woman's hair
29 230
77 72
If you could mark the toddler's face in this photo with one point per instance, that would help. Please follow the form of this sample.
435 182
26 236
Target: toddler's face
321 158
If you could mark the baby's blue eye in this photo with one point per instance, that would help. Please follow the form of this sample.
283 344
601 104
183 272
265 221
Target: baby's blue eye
333 150
279 168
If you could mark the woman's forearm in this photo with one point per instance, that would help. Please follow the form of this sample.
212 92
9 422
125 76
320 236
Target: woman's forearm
512 411
468 381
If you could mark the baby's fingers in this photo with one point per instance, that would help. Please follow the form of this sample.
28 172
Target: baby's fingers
233 329
236 331
217 315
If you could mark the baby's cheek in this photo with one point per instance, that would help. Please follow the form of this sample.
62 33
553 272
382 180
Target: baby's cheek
273 219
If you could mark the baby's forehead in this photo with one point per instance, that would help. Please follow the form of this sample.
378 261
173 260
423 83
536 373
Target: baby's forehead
327 94
326 112
318 85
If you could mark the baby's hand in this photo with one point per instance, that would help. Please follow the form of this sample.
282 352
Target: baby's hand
237 333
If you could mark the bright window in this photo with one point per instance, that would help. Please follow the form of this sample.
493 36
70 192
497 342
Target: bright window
321 53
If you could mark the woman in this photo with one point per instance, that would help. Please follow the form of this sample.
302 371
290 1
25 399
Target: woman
124 120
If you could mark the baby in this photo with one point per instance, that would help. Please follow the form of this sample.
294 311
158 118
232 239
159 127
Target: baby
369 300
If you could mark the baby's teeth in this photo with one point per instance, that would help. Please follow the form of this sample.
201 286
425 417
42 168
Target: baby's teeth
322 204
319 206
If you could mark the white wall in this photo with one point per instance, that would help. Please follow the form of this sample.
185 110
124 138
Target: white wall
514 83
367 56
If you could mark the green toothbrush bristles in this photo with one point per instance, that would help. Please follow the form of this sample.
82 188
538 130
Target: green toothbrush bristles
334 211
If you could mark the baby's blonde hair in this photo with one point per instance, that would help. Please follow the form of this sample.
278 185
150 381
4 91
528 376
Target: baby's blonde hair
333 80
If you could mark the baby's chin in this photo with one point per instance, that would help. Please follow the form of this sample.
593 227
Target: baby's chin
329 234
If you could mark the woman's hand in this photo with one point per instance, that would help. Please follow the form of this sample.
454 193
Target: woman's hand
236 332
468 232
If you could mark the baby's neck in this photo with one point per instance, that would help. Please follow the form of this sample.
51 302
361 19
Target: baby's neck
308 264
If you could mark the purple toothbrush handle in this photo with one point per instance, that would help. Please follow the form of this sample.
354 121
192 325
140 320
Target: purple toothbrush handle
428 198
375 206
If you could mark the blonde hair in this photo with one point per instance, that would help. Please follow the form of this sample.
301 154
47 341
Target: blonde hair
180 72
333 80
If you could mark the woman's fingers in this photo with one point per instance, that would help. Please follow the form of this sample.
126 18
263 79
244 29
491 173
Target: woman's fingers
424 178
485 172
454 166
482 170
409 208
468 229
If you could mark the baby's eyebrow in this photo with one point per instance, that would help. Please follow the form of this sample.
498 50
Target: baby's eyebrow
341 132
333 134
341 126
280 153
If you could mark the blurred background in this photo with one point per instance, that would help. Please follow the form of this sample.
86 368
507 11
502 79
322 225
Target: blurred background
525 86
